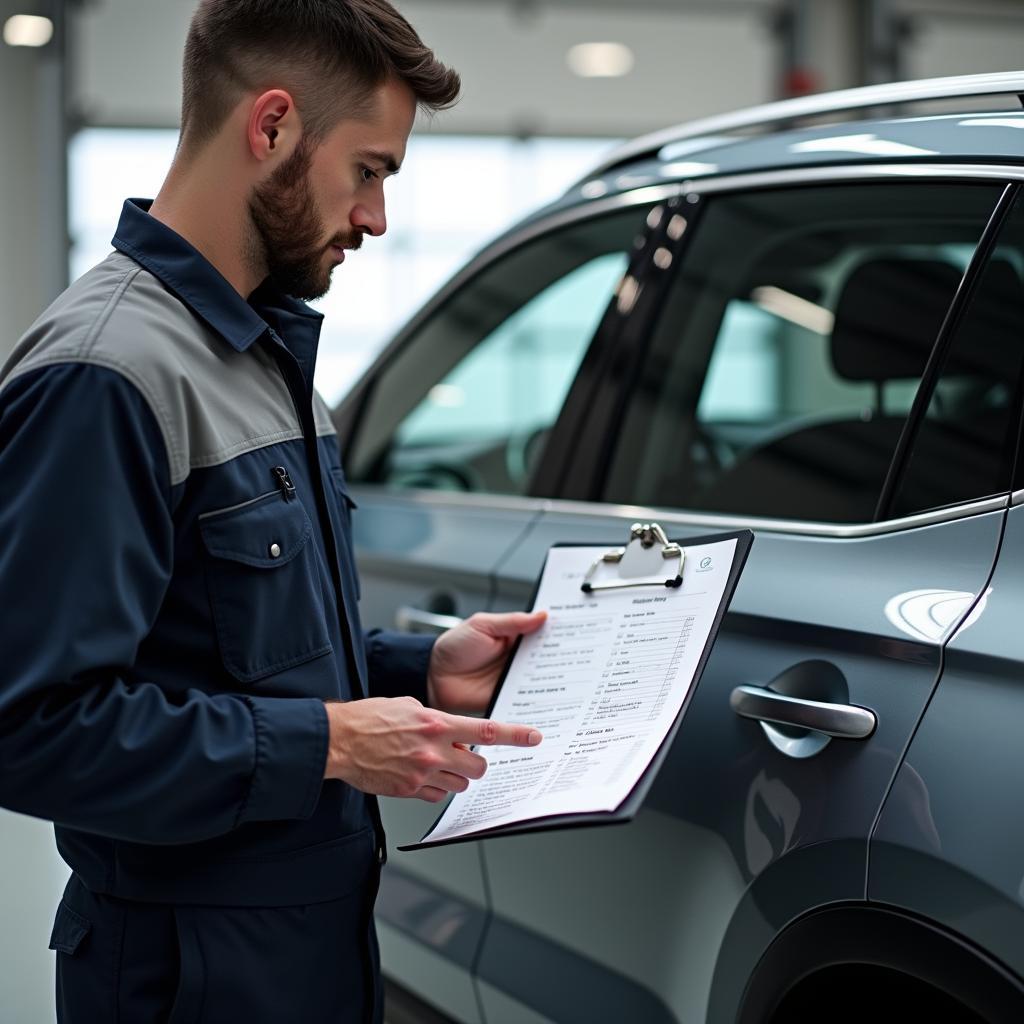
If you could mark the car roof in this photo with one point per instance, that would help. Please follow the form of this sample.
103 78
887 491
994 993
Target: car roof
724 144
987 138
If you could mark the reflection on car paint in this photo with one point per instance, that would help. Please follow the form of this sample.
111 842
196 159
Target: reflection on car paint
932 615
769 823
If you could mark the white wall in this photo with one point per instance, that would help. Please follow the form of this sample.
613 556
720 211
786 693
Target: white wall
953 44
21 289
31 874
32 878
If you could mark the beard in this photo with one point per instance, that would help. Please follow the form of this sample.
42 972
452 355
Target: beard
287 239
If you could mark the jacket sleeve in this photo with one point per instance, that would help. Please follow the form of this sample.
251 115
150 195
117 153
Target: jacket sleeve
86 552
398 663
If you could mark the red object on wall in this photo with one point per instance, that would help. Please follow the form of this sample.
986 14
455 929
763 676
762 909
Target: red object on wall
799 82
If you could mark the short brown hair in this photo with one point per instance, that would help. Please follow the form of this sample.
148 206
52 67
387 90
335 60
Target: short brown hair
330 54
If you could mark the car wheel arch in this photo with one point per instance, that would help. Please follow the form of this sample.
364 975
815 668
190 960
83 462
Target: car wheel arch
889 944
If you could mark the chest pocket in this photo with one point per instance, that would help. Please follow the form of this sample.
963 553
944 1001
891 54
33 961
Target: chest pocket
264 586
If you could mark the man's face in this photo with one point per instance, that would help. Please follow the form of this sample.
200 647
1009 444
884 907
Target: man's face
327 195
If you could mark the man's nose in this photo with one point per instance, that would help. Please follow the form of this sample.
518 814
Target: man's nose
370 218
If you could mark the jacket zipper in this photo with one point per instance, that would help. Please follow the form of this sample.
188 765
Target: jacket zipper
288 368
284 487
284 482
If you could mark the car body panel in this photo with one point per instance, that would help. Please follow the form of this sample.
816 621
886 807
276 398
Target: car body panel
420 554
434 934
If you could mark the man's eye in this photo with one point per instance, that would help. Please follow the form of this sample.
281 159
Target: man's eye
367 174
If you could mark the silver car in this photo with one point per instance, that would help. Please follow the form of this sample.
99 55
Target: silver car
816 331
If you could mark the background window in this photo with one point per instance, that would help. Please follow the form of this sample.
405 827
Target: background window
791 347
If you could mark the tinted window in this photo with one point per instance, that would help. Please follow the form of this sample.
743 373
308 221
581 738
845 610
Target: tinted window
791 346
469 402
965 445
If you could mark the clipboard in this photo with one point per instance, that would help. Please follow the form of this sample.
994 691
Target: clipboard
642 535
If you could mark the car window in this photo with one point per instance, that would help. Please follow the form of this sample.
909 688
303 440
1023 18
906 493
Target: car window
966 443
791 346
468 403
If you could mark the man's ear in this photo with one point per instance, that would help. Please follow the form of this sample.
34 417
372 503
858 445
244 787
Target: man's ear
274 126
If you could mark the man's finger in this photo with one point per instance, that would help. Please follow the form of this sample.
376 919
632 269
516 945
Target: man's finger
431 794
489 733
450 782
466 763
509 623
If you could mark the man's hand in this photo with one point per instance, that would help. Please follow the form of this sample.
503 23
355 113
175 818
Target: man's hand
467 660
397 747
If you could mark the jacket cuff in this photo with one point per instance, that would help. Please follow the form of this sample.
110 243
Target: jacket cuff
398 663
290 755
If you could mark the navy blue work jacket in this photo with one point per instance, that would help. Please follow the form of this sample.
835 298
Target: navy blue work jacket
178 590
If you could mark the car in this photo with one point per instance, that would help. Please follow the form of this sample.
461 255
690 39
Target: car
806 320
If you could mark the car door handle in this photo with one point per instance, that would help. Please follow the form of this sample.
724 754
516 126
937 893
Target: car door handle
844 720
416 620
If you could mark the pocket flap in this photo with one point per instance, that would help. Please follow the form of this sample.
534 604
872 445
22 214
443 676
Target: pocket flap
69 928
342 484
266 535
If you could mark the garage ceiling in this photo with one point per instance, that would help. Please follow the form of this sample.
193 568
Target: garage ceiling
511 57
692 57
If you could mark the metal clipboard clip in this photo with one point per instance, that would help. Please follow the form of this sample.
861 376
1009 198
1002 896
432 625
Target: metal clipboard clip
635 560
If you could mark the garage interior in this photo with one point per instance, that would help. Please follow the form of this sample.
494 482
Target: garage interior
91 116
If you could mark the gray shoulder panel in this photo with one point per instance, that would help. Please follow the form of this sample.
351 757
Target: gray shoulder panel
322 416
212 402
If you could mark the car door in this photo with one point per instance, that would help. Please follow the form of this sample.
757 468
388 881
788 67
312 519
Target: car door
949 843
773 394
441 440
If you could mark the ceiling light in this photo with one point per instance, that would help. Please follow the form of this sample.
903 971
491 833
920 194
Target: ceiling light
600 60
27 30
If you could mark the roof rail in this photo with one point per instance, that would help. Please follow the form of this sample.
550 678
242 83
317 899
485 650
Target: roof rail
890 94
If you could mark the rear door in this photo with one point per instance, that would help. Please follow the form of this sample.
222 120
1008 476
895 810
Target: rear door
949 844
449 427
773 394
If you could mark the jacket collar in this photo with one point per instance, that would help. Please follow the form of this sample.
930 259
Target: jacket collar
199 285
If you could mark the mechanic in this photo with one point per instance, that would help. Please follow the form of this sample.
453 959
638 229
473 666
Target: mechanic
185 690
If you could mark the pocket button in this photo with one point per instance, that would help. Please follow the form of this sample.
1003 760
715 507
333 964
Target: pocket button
275 550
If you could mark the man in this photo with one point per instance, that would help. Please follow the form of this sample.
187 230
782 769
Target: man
184 682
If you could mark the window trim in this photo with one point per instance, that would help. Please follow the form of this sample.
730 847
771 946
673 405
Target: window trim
705 521
748 180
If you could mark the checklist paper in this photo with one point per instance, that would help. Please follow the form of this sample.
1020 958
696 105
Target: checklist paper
604 680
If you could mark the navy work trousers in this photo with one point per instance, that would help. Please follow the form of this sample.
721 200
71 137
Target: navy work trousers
122 962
